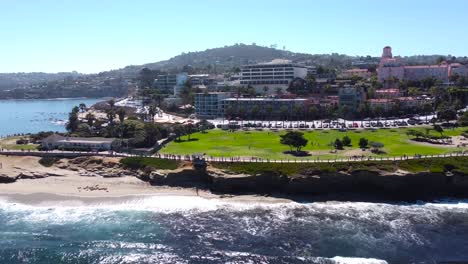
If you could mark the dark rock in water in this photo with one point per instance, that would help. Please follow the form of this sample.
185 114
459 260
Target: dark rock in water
6 179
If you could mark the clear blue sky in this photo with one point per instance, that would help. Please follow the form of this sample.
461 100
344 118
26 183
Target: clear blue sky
97 35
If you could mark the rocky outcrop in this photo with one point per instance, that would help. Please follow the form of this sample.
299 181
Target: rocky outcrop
376 183
181 178
6 179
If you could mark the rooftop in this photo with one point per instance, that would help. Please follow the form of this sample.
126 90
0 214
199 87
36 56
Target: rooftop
96 140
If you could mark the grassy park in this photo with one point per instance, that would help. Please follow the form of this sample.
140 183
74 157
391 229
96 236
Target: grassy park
266 144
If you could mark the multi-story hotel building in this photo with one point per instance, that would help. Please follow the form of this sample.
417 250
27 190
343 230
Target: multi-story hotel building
268 77
171 84
391 67
210 105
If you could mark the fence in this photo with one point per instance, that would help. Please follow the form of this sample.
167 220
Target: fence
73 154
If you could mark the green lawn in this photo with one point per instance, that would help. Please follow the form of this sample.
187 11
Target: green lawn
265 144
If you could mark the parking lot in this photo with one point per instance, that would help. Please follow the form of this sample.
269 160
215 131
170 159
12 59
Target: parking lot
324 124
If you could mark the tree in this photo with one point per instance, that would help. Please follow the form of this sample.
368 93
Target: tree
463 120
189 128
313 112
153 133
254 112
376 147
146 77
204 125
298 111
279 91
363 142
446 113
75 109
121 113
311 83
152 111
269 110
415 133
90 118
284 112
73 121
110 116
346 141
413 91
178 130
82 107
111 103
338 144
294 139
439 129
83 130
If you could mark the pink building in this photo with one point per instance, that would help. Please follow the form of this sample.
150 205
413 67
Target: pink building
391 67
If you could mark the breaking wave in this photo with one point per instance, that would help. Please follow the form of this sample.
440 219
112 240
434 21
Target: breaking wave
179 229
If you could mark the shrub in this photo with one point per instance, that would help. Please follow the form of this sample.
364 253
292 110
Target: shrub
48 161
338 144
363 142
346 141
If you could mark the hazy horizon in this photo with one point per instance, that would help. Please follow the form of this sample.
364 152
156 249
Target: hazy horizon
90 37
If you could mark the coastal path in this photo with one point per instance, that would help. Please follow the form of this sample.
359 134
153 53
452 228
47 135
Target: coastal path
190 158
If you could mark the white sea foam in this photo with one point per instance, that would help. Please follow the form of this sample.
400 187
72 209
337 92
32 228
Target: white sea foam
343 260
377 212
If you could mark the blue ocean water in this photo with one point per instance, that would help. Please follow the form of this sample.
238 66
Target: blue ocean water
167 229
30 116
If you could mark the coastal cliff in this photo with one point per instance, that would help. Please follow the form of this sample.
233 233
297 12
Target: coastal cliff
403 180
400 185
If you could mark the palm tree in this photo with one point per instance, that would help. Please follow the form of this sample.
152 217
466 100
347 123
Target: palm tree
189 129
298 110
111 103
178 130
284 112
254 112
121 113
110 116
269 110
152 111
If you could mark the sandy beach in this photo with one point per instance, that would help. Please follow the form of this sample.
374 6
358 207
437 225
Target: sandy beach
69 185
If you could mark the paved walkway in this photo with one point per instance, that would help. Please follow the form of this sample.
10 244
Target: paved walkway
74 154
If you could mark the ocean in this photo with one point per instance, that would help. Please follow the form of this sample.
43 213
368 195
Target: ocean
179 229
31 116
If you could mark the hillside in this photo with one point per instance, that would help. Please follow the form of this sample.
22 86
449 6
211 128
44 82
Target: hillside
220 60
224 59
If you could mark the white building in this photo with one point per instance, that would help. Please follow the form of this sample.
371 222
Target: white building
76 143
268 77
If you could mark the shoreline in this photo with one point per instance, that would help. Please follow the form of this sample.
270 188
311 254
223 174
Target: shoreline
96 179
60 200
